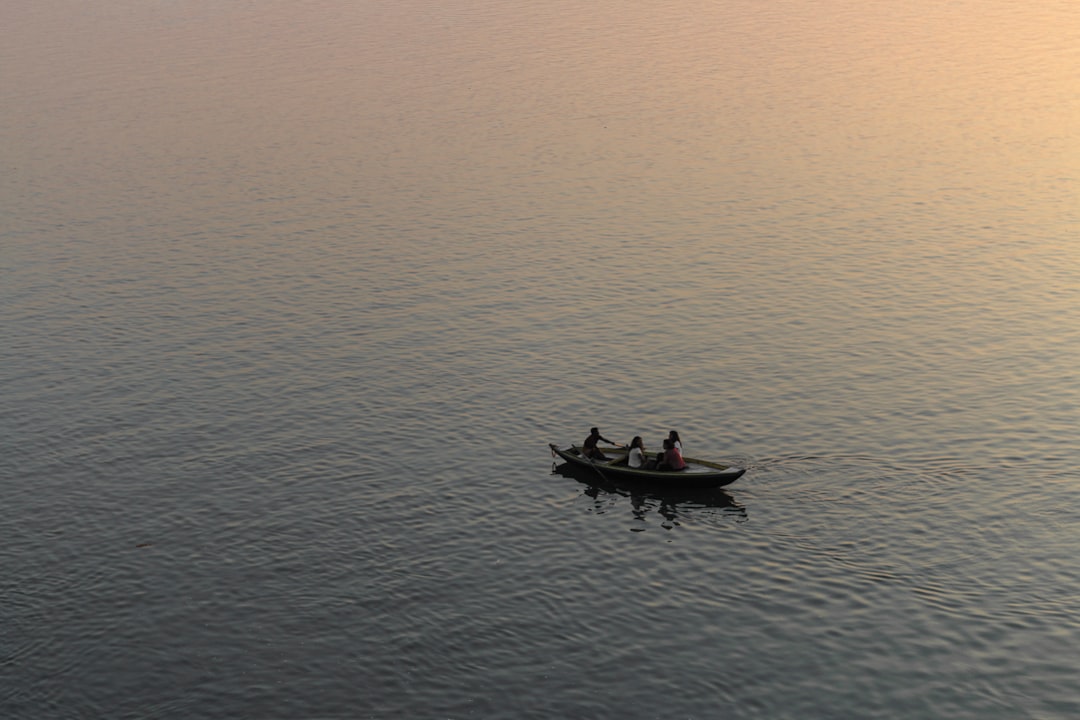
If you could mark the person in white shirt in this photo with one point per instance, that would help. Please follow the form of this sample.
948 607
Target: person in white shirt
636 458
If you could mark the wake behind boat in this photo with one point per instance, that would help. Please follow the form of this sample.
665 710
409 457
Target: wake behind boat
697 474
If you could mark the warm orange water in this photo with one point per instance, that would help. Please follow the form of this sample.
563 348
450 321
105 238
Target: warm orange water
295 294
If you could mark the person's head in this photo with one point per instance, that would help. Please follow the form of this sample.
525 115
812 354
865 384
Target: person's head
594 431
636 442
674 436
668 443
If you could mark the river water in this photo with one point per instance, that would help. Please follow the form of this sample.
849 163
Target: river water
295 294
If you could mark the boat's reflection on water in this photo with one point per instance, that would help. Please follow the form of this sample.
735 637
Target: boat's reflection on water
669 503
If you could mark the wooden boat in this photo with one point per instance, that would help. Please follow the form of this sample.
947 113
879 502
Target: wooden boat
697 474
642 494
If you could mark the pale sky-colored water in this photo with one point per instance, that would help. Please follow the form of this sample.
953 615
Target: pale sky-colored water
909 102
295 294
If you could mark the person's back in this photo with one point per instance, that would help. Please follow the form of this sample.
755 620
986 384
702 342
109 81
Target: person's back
636 457
673 458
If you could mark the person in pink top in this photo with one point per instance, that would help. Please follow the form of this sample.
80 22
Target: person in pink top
673 459
636 457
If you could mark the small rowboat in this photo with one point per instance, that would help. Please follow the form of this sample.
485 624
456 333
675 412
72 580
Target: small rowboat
697 474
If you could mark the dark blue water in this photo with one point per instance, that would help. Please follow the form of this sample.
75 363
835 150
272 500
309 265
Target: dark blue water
295 296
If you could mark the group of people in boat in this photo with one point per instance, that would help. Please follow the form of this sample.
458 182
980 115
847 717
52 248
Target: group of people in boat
669 459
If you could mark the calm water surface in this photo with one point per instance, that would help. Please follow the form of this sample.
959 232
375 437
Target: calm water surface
295 294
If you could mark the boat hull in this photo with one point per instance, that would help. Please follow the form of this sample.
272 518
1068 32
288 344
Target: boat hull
698 473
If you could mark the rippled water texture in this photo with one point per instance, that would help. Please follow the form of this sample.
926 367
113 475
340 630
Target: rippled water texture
295 294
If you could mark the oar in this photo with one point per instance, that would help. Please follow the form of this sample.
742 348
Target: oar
599 472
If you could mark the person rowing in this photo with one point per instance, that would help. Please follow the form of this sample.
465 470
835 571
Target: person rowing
589 448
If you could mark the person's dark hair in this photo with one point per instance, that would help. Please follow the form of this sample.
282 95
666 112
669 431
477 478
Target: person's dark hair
674 436
594 431
636 442
668 443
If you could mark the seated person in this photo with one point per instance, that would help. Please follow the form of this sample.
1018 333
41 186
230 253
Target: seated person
673 459
589 449
636 457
